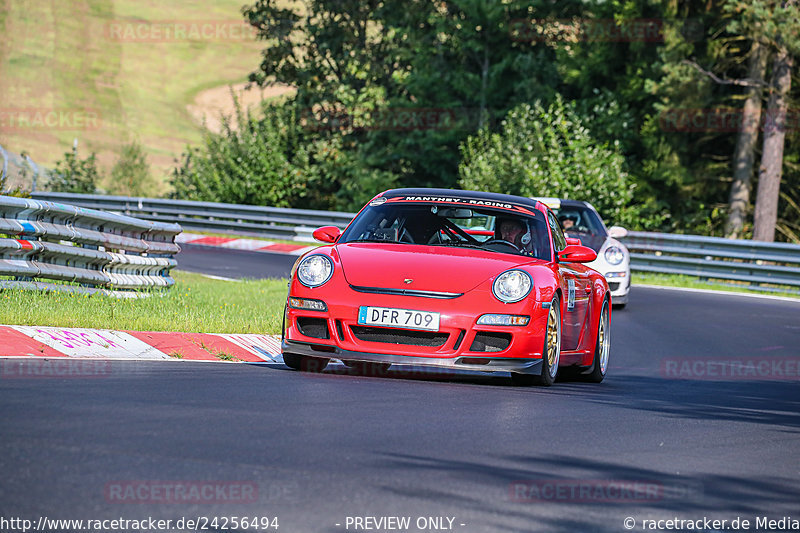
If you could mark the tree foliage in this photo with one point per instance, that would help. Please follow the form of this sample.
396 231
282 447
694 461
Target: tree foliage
352 61
324 46
259 162
548 151
75 175
130 175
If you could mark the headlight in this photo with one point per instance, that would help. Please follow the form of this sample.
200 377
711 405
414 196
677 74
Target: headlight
314 270
614 255
512 286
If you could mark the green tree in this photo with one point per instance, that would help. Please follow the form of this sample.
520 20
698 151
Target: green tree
548 151
390 57
130 175
322 46
75 175
471 59
776 24
259 163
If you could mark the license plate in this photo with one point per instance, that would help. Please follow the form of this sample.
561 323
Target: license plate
398 318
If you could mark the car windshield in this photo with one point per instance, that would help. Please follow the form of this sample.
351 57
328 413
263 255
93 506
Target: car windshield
578 220
439 224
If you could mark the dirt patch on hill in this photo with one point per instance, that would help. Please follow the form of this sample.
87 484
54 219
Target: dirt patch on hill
212 104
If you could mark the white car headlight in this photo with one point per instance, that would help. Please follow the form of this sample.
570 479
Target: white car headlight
614 255
512 286
314 270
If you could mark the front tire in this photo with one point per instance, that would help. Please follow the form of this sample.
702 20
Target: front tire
602 347
551 352
305 363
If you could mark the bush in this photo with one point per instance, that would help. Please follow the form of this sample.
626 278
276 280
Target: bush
548 152
130 175
279 160
257 163
343 171
75 175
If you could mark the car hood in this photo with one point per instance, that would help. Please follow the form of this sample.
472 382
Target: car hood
595 242
431 268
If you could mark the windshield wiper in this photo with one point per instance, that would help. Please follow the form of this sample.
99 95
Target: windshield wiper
463 245
375 240
476 246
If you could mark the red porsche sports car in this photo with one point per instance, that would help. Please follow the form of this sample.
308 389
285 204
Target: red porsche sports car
418 277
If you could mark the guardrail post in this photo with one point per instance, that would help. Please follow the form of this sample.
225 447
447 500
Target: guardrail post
5 164
35 169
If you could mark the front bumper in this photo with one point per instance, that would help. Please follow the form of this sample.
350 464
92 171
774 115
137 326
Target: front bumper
620 288
483 364
460 342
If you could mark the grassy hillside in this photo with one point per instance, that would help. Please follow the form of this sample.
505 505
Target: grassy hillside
84 57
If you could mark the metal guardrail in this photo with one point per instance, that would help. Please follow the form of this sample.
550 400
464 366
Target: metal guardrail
62 242
269 222
755 263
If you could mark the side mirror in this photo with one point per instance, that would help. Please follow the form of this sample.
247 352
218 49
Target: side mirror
573 240
327 234
575 253
617 232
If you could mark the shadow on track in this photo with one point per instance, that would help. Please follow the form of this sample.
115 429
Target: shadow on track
678 495
774 403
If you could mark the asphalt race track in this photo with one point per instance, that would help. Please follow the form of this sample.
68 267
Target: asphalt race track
667 435
234 263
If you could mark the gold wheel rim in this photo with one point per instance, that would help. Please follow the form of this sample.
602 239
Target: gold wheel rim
553 339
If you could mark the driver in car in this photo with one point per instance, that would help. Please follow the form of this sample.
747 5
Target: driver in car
567 222
517 233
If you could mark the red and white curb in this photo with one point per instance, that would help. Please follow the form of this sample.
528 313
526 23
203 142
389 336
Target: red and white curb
252 245
43 341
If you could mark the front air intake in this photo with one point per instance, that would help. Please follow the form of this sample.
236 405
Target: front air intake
313 327
399 336
486 341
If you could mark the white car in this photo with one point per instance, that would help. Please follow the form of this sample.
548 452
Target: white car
580 220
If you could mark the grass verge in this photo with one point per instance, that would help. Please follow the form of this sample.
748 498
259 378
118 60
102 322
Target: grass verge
195 304
68 56
690 282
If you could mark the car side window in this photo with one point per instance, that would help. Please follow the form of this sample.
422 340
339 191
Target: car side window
558 236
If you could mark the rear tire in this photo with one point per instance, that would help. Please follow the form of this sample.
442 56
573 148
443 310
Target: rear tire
305 363
602 347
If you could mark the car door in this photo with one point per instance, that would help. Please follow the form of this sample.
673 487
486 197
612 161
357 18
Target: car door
577 291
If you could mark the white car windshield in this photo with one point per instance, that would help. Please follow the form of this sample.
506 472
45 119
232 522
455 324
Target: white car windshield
577 220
